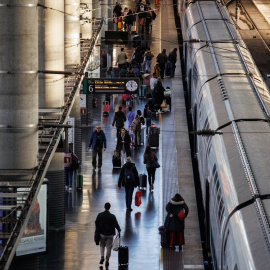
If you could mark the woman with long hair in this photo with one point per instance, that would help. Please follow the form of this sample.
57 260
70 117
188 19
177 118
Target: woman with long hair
173 223
148 157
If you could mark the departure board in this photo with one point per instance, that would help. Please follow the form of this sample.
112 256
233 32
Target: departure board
111 85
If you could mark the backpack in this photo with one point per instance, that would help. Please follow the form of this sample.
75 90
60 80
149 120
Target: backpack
135 124
148 56
129 176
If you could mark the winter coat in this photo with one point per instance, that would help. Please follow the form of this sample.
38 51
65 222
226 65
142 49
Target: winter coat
127 141
137 56
147 159
106 223
162 59
172 57
129 18
121 179
119 119
93 139
121 58
174 223
117 10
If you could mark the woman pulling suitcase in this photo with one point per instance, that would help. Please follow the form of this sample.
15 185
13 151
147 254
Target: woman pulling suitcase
148 158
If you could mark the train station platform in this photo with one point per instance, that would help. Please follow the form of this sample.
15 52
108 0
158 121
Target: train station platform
74 248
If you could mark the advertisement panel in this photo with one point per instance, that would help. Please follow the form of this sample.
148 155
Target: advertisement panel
35 234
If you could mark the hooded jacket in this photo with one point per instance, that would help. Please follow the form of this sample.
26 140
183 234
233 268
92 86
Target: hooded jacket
174 223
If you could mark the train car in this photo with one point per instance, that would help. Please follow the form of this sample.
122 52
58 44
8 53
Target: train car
227 95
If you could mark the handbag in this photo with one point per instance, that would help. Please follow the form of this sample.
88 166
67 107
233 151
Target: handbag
155 164
116 242
138 197
181 214
163 104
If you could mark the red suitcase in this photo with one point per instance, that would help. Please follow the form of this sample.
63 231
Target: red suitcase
106 108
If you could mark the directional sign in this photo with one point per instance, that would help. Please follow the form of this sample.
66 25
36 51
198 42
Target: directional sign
111 85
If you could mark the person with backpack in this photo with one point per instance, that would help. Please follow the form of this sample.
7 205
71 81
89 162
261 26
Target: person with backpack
148 116
128 178
148 157
123 145
136 129
119 120
172 57
162 60
173 223
99 143
148 55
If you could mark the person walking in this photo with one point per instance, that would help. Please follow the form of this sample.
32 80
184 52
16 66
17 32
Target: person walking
130 117
136 129
121 58
99 143
153 82
148 55
172 57
71 164
173 224
128 178
118 120
162 60
123 145
148 117
117 10
106 223
148 157
129 19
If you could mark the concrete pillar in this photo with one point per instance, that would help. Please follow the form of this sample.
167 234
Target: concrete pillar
51 54
96 9
72 33
86 27
19 90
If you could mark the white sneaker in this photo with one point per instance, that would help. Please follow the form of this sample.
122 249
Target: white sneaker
70 189
66 187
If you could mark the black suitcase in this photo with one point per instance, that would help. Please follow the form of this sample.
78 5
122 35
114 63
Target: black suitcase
164 238
153 139
123 255
116 160
143 180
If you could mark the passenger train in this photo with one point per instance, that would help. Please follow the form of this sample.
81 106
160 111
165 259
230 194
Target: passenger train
228 97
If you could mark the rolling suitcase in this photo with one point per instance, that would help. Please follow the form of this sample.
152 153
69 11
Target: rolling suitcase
106 108
123 255
116 160
79 182
143 181
164 237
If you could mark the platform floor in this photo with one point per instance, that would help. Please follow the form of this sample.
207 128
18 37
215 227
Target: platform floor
74 248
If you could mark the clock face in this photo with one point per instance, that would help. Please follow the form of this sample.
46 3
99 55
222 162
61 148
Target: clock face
131 86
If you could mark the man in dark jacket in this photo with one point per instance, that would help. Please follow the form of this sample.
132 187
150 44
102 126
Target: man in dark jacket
129 178
118 120
106 223
117 10
98 143
123 145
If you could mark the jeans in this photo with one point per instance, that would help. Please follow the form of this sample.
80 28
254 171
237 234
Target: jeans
129 27
148 64
137 137
151 175
118 131
97 151
106 241
148 124
68 176
129 193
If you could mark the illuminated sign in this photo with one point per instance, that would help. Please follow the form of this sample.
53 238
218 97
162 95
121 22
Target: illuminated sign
35 233
111 85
